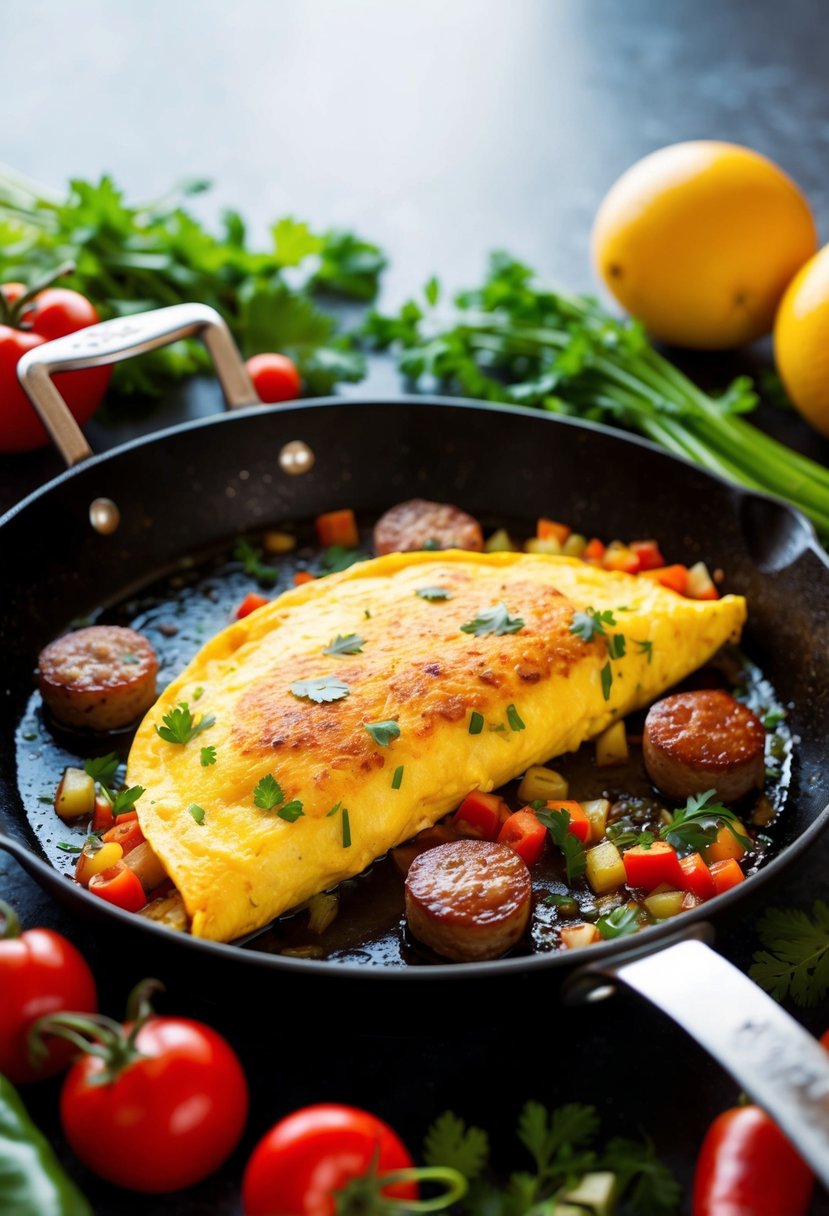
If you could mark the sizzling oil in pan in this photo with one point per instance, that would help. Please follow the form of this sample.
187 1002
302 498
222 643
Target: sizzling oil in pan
180 612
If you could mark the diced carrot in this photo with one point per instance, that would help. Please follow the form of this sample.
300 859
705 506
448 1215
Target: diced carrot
250 603
593 550
549 528
696 876
120 886
726 843
525 835
675 577
126 832
649 867
619 557
480 815
726 874
579 824
338 528
303 576
650 558
700 583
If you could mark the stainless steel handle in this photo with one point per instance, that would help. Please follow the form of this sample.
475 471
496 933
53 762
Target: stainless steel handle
123 338
773 1058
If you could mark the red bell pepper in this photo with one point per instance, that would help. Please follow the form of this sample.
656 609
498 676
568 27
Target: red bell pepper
650 557
126 832
696 877
726 874
579 824
250 603
119 885
549 529
650 867
674 577
480 815
523 833
338 528
746 1165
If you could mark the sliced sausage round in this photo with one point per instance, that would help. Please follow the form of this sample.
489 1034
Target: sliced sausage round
696 741
468 900
101 678
419 524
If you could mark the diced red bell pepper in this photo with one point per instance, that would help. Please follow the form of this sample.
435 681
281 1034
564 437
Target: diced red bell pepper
481 816
301 577
250 603
338 528
726 874
523 833
579 824
674 577
126 832
593 550
119 885
549 529
102 816
650 867
650 558
697 877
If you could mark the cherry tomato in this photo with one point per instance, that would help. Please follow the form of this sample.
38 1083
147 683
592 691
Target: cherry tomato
747 1167
275 377
168 1118
52 313
40 973
309 1155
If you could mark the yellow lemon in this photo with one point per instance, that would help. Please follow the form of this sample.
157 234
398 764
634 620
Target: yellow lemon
699 241
801 341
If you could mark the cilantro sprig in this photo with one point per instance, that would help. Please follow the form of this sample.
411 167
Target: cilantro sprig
558 823
795 960
251 558
349 643
383 733
320 690
103 771
181 727
696 825
493 621
268 795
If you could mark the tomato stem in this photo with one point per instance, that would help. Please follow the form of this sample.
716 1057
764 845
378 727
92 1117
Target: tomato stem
13 313
454 1184
10 922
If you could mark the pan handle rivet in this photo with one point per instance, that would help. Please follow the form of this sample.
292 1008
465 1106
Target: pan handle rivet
296 457
104 516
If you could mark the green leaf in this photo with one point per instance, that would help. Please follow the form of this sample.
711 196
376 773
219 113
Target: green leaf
208 756
324 688
351 643
250 557
179 726
197 812
493 621
476 722
383 733
103 768
125 800
451 1143
337 557
606 675
291 811
697 824
293 242
646 647
267 793
434 593
647 1184
558 824
346 829
795 961
620 922
590 624
432 291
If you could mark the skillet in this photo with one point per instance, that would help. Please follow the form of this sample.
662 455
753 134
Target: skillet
183 490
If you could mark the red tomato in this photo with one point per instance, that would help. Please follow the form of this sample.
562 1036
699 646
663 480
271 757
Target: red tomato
119 885
40 973
168 1119
746 1165
275 377
314 1152
52 314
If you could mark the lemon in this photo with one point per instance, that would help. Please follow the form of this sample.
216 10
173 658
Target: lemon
699 241
801 341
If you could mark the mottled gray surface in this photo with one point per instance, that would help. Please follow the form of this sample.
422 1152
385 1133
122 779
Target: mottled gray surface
441 130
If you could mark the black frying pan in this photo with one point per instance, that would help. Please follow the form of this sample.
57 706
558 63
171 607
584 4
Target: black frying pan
185 489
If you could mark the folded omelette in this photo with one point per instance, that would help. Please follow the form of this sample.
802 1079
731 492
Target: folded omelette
355 710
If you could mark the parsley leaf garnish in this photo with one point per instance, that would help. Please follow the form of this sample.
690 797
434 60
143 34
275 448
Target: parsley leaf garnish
125 800
291 811
267 793
696 824
197 812
351 643
795 961
558 1142
620 922
655 1191
179 726
383 732
646 647
208 756
625 837
433 593
616 646
607 680
324 688
252 564
558 823
591 624
493 621
102 768
450 1143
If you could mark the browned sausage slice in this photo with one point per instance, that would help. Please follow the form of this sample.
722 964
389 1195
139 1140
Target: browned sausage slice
419 524
468 900
101 678
696 741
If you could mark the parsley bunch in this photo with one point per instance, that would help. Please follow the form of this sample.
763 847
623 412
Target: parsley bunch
795 961
515 340
131 257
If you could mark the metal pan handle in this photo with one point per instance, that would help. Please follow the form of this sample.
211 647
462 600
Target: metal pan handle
773 1058
123 338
